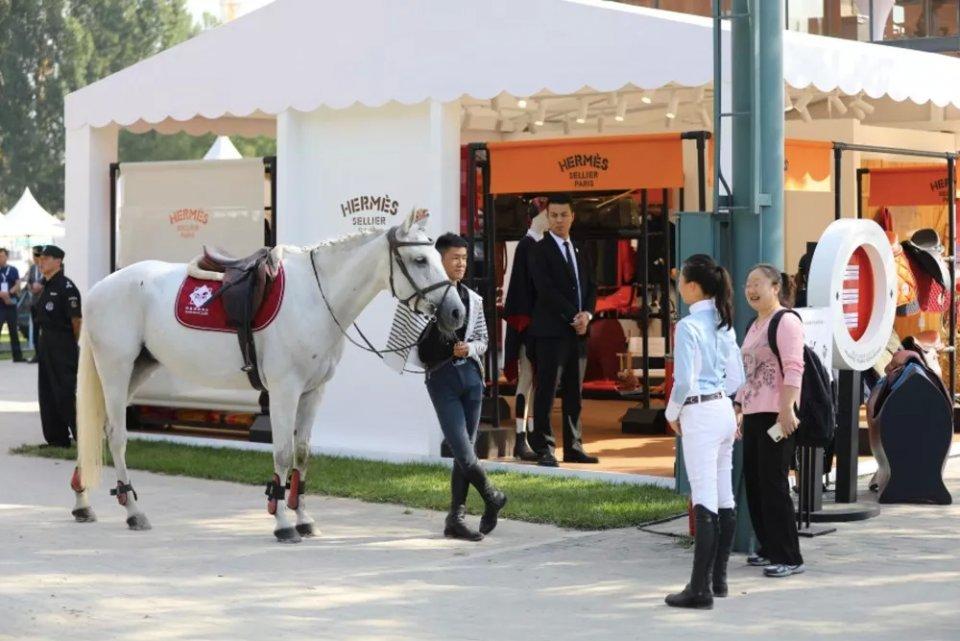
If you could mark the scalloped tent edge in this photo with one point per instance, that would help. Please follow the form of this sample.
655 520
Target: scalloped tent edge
308 55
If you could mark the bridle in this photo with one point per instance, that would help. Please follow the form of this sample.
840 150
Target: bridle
419 293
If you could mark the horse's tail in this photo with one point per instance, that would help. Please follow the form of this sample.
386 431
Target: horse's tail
91 414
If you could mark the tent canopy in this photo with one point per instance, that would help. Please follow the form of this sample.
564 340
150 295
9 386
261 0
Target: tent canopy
222 149
303 54
28 218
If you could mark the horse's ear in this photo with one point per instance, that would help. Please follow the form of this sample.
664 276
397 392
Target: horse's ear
416 217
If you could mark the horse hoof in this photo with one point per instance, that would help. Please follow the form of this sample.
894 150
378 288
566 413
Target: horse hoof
138 522
84 515
287 535
307 529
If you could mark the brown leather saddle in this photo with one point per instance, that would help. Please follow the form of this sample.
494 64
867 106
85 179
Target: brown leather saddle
246 282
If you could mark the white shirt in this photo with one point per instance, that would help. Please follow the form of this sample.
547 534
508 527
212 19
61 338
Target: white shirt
576 271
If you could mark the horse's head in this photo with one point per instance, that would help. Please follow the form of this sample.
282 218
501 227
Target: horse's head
417 276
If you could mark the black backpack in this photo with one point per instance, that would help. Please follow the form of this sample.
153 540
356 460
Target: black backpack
818 402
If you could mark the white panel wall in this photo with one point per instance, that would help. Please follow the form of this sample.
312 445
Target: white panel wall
325 159
87 243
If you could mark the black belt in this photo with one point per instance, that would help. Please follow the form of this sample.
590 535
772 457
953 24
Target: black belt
694 400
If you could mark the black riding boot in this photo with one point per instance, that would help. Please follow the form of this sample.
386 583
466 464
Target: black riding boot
727 525
493 498
455 526
521 450
697 593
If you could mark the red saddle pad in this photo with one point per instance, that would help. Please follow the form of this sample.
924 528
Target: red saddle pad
194 292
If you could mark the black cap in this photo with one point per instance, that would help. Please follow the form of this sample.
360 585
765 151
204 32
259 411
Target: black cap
37 249
52 251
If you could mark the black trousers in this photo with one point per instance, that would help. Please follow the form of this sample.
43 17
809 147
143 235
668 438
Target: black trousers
58 357
559 362
8 317
766 465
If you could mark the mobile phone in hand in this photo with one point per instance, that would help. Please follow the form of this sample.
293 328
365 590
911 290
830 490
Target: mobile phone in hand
776 433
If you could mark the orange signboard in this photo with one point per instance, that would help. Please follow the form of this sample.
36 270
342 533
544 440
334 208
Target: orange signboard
908 186
806 165
587 164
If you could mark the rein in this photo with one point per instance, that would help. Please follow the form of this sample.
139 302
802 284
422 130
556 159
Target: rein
417 295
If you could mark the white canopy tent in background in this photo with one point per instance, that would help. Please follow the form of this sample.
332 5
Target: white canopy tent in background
372 97
29 219
222 149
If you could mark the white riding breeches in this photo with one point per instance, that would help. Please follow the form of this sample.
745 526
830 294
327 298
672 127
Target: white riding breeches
708 431
524 385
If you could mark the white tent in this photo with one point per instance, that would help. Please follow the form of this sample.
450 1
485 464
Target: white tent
310 54
29 218
375 98
223 149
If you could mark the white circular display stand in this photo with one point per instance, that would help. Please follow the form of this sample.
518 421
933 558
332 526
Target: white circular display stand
826 287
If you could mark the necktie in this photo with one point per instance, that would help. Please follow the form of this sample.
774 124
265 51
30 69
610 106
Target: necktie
573 269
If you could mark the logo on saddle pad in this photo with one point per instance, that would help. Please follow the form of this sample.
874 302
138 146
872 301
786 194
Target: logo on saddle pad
198 297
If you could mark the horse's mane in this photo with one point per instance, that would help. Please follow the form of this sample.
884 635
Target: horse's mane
350 241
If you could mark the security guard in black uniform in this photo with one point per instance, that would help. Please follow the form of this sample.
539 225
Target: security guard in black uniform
58 317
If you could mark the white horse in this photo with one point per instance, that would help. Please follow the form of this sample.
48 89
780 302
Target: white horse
129 329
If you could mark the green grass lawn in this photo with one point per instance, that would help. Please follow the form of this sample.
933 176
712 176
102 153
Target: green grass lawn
567 502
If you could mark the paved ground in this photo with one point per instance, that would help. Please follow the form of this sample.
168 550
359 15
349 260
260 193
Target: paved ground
210 570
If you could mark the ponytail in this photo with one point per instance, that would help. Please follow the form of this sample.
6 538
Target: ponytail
776 277
715 282
724 298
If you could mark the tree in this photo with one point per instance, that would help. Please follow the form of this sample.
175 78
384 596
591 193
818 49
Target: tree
52 47
34 34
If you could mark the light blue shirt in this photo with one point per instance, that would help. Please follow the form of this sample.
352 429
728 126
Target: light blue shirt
706 359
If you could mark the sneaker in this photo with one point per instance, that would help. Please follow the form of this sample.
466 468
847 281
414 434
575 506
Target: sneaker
781 570
758 561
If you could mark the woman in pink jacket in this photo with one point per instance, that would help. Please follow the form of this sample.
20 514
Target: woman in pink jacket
768 398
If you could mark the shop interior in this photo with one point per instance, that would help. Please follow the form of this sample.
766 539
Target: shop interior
629 234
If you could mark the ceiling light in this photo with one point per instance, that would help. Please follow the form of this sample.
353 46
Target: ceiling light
674 105
621 109
541 114
647 97
836 104
522 103
582 115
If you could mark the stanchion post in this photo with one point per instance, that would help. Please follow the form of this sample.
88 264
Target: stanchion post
849 397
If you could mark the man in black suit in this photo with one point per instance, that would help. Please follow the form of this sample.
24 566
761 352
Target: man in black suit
566 297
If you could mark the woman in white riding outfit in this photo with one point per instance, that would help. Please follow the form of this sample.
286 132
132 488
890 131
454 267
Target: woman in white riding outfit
707 372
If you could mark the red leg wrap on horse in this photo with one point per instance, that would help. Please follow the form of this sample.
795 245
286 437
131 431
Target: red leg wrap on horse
293 500
75 481
271 501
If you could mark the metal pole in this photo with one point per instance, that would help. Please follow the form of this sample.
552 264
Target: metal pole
770 131
837 160
951 252
745 225
665 294
860 174
114 173
490 273
848 435
645 287
271 163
